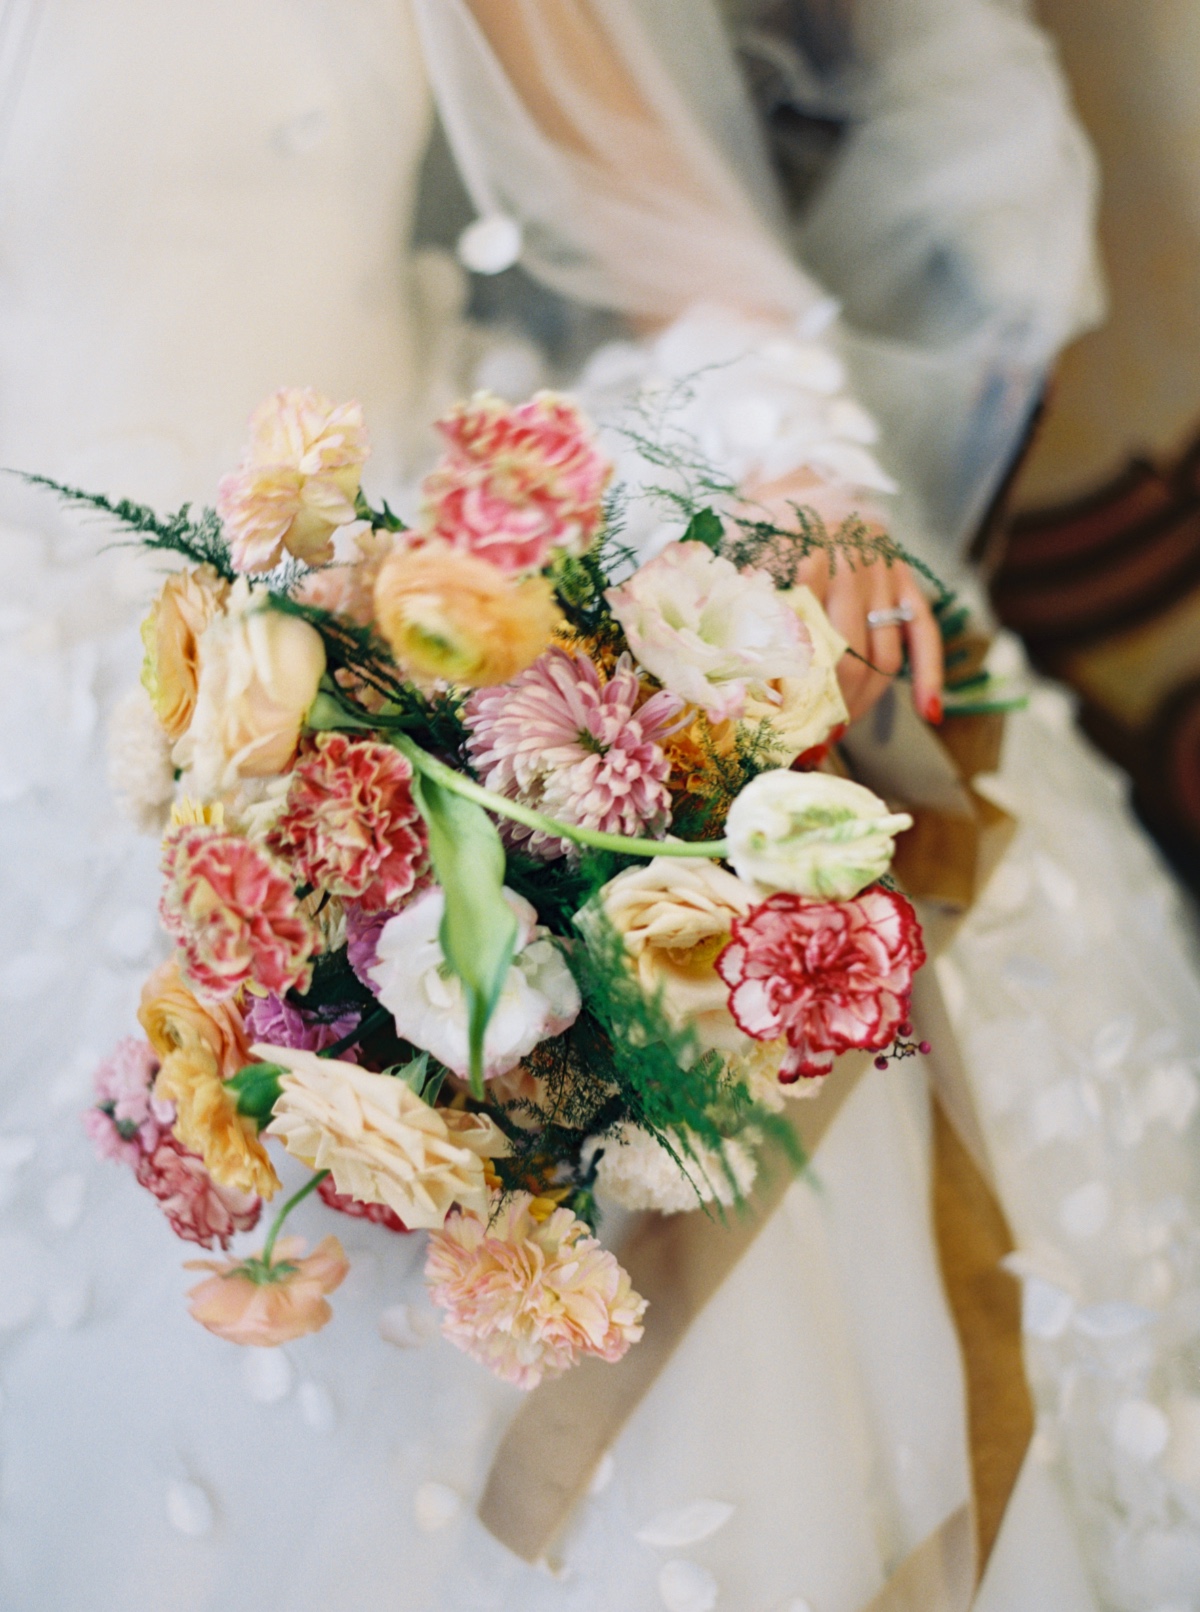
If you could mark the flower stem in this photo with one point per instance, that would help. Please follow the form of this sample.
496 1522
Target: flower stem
470 790
285 1211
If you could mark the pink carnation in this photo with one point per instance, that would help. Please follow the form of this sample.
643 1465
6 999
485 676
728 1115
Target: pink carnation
379 1214
128 1119
827 975
558 739
350 826
198 1209
517 483
271 1019
234 914
528 1297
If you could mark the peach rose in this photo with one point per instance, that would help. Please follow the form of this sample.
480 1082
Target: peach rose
457 617
259 672
250 1302
171 635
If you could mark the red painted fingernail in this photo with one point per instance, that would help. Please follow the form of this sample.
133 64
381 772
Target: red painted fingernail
933 709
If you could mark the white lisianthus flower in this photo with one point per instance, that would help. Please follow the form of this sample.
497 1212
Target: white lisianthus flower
710 633
637 1172
804 711
810 834
539 997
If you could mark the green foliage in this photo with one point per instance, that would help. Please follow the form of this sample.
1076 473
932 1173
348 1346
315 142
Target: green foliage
560 888
757 748
479 929
199 540
706 527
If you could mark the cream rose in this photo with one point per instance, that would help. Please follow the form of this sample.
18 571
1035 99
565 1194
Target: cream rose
259 672
674 916
171 636
811 834
379 1140
804 710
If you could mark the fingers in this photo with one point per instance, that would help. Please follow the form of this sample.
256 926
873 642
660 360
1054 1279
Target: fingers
846 607
924 649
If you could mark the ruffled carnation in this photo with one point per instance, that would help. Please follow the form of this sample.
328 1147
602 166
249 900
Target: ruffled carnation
380 1141
710 633
528 1296
377 1213
560 740
637 1172
127 1120
234 913
271 1018
198 1209
298 481
350 826
827 975
517 483
245 1301
539 997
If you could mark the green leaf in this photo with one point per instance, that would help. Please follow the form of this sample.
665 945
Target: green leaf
479 928
257 1090
413 1073
705 527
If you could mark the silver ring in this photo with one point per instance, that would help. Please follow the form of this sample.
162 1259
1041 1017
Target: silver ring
896 616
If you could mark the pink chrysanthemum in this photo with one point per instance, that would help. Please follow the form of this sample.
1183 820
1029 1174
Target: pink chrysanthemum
350 825
198 1209
272 1019
558 739
528 1296
234 914
827 975
127 1119
517 483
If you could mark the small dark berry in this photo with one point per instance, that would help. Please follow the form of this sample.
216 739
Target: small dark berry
881 1062
905 1029
925 1048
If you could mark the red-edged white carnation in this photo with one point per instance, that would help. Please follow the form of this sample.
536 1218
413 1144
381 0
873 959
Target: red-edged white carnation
350 825
518 482
234 914
827 975
558 739
527 1295
199 1210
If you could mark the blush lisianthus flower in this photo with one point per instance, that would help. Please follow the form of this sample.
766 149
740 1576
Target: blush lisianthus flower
539 997
516 483
461 619
674 915
171 636
298 481
380 1142
811 834
804 711
249 1302
350 826
637 1172
259 673
234 914
198 1208
584 751
207 1122
710 633
828 975
528 1293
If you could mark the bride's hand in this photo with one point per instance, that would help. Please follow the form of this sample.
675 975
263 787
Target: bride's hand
851 594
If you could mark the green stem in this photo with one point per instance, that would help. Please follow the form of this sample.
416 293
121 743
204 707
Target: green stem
487 798
277 1223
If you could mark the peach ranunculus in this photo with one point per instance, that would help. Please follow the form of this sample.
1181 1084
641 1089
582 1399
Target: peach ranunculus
457 617
259 673
174 1020
250 1302
298 481
675 916
207 1122
529 1291
379 1140
171 635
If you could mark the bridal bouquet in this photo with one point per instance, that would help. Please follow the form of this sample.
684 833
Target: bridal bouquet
496 872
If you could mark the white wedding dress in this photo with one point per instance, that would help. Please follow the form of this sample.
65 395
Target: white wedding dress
200 204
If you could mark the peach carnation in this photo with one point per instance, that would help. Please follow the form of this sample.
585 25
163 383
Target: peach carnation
171 635
250 1302
350 826
527 1293
234 913
459 618
298 481
828 975
517 483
